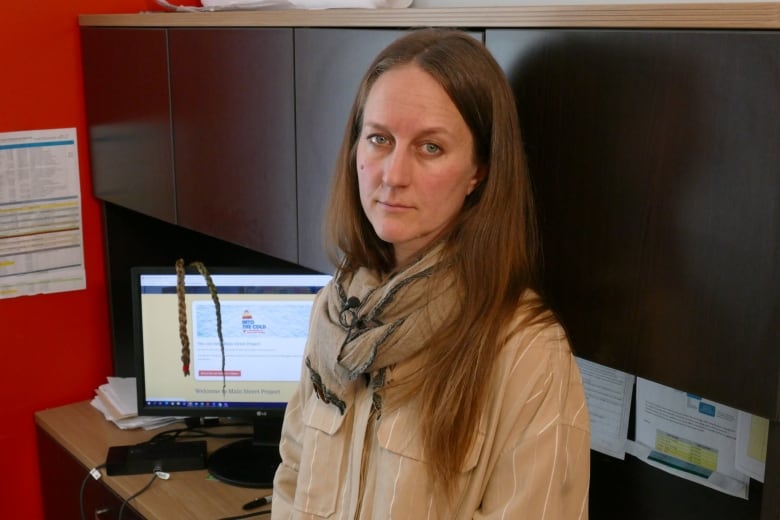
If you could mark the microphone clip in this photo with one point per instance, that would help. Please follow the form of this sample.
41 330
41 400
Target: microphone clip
348 314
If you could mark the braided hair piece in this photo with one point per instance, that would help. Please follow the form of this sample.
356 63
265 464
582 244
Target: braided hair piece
180 293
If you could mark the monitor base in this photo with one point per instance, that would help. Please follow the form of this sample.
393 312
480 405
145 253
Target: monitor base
245 463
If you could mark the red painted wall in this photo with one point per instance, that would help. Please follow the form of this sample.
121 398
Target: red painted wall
55 348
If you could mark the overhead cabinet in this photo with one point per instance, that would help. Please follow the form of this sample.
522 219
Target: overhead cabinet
129 117
653 154
196 127
655 160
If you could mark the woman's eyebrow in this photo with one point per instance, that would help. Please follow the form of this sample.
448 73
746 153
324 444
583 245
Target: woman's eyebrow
428 131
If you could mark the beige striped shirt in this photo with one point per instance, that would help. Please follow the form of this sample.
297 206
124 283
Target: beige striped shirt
531 460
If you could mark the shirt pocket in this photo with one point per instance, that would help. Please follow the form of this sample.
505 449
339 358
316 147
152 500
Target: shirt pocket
398 433
323 459
403 457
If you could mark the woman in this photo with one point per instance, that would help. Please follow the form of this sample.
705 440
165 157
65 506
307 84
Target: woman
437 384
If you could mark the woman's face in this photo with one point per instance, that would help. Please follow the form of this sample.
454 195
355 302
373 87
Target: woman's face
415 160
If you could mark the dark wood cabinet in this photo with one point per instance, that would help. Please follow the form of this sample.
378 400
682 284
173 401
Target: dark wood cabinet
69 491
329 64
655 159
234 139
196 127
129 118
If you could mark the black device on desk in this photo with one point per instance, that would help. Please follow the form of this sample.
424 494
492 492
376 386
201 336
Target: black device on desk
263 321
165 456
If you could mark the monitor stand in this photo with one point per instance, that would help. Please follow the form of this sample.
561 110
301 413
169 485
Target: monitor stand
250 462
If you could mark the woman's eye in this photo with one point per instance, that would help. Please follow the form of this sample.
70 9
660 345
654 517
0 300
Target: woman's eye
377 139
431 148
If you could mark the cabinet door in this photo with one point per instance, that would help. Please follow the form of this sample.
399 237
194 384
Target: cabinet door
329 64
234 140
64 481
655 159
128 115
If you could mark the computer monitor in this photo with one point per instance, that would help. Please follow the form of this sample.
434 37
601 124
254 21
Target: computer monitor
264 324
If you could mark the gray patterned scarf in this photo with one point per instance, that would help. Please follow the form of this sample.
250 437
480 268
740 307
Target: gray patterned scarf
363 325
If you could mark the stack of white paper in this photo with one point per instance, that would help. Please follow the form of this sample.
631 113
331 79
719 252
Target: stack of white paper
116 400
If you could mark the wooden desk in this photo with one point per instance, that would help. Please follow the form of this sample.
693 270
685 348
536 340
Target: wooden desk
75 438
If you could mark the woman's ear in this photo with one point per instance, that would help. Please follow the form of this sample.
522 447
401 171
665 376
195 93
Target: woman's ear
479 175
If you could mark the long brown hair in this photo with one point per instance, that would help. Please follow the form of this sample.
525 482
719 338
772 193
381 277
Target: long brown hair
491 245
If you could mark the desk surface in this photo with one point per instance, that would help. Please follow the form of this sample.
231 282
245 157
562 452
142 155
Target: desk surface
84 432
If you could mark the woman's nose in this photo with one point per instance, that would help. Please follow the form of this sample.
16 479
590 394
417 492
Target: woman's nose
396 169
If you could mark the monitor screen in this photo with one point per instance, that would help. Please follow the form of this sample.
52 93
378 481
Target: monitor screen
263 321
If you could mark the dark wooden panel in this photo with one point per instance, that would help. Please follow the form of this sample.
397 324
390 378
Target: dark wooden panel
329 64
61 479
631 489
128 115
234 136
656 163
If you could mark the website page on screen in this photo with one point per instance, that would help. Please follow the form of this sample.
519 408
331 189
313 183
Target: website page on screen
264 330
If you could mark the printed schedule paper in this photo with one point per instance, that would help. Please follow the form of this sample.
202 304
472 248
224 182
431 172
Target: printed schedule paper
688 436
41 246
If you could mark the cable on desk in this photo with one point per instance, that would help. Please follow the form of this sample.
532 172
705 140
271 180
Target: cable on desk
96 475
247 515
200 431
157 473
